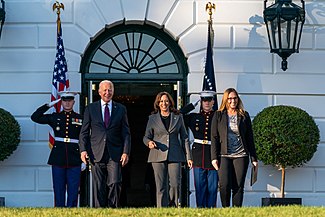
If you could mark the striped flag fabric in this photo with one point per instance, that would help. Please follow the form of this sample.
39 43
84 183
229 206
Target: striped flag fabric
60 80
209 82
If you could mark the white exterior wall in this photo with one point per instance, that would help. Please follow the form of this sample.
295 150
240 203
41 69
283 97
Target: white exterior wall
241 59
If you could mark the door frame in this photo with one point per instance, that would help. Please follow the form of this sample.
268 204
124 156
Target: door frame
180 98
157 31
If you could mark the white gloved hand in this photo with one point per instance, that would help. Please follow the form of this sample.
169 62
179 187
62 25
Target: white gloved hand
50 104
197 102
83 166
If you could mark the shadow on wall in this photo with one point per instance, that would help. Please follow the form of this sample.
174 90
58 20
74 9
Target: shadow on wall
251 83
313 11
255 39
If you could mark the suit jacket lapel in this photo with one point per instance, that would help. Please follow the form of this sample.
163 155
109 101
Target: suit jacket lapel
173 121
239 124
113 112
159 122
224 120
98 111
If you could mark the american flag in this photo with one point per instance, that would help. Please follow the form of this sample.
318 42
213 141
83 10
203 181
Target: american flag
209 82
60 81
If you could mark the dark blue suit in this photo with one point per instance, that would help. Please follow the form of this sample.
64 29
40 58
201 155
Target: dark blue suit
105 147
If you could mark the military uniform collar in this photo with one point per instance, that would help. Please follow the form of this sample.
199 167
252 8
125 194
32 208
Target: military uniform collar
206 113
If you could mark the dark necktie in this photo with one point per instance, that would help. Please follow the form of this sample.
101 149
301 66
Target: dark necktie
106 116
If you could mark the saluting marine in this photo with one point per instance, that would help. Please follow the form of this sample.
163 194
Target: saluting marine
65 155
205 176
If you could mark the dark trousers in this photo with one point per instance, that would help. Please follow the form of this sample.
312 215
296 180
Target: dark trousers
107 184
168 182
232 174
206 187
66 180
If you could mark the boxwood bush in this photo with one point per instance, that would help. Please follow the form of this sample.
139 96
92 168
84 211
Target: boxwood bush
285 136
9 134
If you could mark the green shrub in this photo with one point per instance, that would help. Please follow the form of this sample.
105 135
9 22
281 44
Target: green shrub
9 134
285 136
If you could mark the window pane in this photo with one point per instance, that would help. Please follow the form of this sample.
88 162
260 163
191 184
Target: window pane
133 52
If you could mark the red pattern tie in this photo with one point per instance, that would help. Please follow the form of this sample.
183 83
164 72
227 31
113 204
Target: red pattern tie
106 116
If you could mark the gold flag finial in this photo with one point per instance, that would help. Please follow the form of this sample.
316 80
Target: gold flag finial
57 6
209 7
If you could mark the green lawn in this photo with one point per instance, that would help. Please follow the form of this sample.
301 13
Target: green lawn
294 211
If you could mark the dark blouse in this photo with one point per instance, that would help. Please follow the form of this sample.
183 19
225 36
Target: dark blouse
166 121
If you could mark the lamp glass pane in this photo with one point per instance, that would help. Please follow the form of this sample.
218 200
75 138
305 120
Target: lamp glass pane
299 30
273 33
285 34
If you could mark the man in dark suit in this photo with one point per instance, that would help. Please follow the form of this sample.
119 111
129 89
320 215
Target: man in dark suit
105 138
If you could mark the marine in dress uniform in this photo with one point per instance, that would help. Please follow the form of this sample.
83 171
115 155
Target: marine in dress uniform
65 155
205 176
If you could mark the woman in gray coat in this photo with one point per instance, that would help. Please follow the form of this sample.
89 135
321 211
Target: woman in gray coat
167 139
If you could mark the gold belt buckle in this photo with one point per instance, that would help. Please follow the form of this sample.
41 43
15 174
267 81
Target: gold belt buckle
204 142
66 139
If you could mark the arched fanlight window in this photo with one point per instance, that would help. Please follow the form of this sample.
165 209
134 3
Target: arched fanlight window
134 47
134 52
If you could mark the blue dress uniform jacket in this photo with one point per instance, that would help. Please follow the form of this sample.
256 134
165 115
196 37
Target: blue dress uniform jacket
66 126
200 125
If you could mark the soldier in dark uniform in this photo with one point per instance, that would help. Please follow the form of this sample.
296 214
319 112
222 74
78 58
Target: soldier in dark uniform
205 176
65 155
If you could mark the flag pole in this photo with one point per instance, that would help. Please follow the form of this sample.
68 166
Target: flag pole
57 6
57 107
209 83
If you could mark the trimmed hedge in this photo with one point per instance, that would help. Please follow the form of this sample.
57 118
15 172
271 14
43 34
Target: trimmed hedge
9 134
285 136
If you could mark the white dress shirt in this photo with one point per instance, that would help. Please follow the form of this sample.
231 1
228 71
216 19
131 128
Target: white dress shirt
109 104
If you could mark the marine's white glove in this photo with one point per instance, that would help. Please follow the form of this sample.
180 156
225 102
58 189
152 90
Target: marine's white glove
50 104
197 102
83 166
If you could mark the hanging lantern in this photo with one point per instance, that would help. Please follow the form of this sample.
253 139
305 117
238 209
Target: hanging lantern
284 22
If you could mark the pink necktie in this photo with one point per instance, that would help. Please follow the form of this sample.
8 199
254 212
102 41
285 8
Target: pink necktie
106 116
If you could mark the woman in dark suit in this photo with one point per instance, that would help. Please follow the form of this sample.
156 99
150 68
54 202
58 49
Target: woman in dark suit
167 139
232 144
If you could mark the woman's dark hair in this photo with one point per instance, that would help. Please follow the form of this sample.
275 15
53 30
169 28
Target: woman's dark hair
171 103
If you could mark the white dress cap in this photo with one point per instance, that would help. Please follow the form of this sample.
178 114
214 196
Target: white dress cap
207 94
67 94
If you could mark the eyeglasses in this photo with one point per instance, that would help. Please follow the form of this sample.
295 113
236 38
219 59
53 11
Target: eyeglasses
232 98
